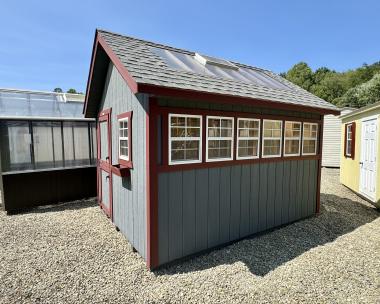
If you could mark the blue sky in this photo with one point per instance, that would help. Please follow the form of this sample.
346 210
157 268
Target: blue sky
47 44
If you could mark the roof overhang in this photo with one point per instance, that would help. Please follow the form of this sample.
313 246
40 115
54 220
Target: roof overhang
102 54
100 58
362 110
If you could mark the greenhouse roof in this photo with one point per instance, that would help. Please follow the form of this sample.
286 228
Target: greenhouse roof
32 105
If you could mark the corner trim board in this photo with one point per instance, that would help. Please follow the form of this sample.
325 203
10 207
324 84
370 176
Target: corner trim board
152 185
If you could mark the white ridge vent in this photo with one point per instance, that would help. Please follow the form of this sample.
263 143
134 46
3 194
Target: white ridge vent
203 59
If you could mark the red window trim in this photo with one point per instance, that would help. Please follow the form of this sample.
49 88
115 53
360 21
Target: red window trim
165 167
123 162
353 131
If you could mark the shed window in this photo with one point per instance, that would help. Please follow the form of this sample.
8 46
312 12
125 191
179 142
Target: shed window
248 138
123 139
272 137
292 140
310 138
220 137
185 144
349 147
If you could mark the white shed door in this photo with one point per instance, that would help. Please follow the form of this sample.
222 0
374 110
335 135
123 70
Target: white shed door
368 158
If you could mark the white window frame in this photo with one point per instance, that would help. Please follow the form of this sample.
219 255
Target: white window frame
347 139
247 138
269 138
293 138
309 138
220 138
171 139
121 156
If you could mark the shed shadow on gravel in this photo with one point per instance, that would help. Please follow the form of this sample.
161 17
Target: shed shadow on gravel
264 253
74 205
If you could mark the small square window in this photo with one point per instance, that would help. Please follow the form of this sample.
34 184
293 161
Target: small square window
125 131
248 141
272 137
292 138
310 138
220 136
185 145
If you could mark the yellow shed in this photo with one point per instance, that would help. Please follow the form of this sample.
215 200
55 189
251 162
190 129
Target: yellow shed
360 169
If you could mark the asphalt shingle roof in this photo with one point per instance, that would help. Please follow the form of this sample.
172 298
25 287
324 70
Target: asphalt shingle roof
146 67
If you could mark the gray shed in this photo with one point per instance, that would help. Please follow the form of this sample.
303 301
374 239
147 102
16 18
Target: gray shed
195 152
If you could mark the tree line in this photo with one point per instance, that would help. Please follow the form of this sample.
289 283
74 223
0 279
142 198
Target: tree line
353 88
71 91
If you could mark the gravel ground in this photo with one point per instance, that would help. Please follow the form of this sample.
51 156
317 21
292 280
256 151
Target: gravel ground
72 253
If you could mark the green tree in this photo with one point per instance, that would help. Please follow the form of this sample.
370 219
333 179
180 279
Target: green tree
331 87
58 90
354 87
320 74
72 91
363 94
301 75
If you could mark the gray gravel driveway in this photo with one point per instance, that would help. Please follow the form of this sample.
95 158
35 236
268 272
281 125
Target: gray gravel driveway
72 254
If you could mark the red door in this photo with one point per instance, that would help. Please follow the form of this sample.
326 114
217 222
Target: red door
104 162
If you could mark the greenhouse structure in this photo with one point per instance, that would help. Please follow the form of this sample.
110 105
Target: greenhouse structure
47 149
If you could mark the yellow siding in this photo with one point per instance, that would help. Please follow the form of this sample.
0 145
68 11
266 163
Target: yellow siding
350 168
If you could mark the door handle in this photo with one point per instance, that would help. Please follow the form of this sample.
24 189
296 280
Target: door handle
107 177
361 163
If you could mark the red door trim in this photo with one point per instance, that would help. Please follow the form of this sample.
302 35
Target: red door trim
105 116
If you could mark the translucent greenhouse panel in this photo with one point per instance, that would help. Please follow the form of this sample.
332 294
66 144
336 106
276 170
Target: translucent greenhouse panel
72 109
15 146
206 65
57 144
68 143
81 143
42 108
93 142
43 145
14 107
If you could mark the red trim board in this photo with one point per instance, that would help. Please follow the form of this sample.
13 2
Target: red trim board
219 98
152 185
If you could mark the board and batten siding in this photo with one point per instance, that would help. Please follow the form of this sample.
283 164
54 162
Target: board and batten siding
203 208
129 193
331 148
